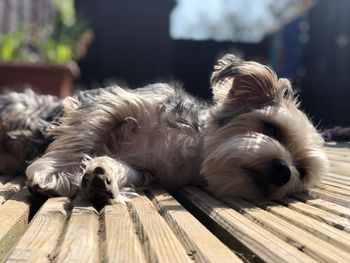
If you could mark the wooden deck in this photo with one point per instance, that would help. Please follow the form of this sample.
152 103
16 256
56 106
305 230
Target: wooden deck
189 226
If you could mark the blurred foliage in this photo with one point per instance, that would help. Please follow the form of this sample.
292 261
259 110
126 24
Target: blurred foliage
66 11
66 39
11 46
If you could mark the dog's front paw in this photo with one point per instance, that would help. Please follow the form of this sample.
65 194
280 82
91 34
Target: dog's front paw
48 185
44 178
104 181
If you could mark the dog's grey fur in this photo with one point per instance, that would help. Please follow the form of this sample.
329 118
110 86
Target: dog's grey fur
252 142
24 121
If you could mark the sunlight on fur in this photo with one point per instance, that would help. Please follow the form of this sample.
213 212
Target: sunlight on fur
252 142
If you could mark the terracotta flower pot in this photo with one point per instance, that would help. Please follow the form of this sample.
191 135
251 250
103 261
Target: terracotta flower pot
50 79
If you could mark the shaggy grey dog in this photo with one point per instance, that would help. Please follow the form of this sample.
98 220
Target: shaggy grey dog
252 142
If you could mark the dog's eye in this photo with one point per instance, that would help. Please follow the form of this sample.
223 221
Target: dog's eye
302 172
272 130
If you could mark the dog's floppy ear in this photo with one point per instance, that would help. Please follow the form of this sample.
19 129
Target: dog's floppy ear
245 81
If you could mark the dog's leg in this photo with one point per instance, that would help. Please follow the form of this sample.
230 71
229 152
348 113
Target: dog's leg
107 180
94 128
51 177
59 171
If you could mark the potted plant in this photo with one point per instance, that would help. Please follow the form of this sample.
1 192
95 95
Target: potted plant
44 58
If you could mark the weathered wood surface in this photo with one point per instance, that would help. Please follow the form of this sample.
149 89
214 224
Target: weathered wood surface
80 241
39 241
160 243
14 216
198 240
10 188
120 242
187 226
262 242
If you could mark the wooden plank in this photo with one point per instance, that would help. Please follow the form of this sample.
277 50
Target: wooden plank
319 214
43 233
344 164
120 242
340 167
337 150
340 171
339 146
13 220
338 157
323 204
204 245
335 180
341 154
304 241
333 189
342 185
330 234
160 243
4 178
263 243
339 177
330 196
337 153
11 188
81 241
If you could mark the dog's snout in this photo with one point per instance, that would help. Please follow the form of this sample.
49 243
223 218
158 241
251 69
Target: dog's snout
85 180
280 172
98 182
99 170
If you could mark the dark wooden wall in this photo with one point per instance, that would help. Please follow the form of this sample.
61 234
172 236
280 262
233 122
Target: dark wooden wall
132 45
326 59
131 40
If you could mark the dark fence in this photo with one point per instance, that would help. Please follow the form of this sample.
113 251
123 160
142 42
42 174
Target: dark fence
132 45
326 59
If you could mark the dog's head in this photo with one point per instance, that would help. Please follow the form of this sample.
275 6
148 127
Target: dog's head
259 144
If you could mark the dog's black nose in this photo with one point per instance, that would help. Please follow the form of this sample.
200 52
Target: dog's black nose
99 170
279 173
98 183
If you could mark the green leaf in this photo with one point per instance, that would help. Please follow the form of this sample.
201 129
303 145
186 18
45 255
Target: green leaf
10 45
64 53
66 11
49 50
7 49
